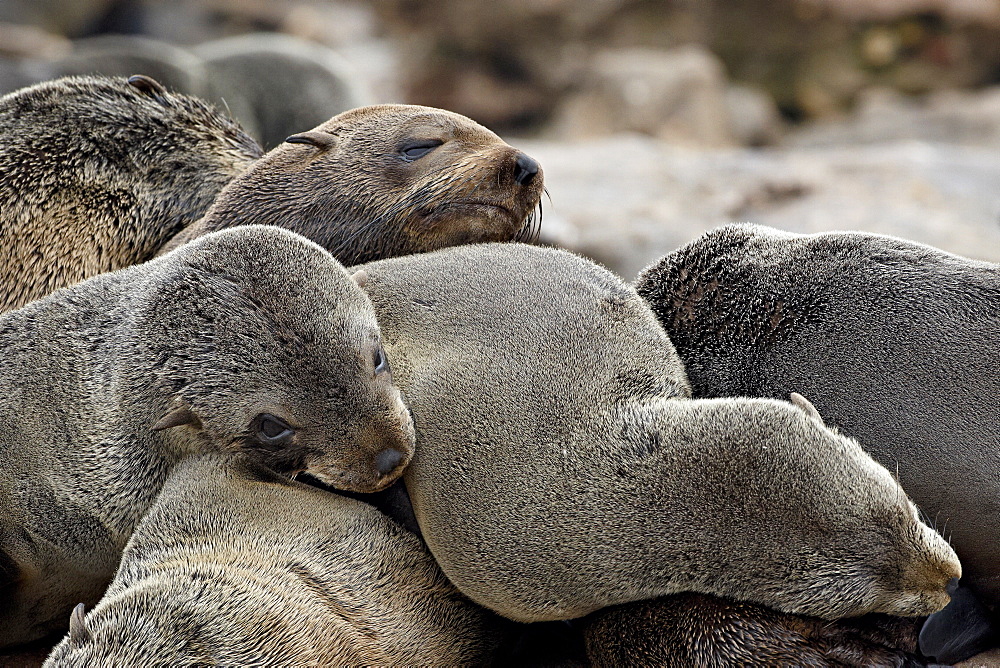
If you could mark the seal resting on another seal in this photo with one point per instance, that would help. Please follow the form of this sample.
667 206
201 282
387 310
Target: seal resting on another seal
234 566
252 340
386 180
97 173
895 342
562 466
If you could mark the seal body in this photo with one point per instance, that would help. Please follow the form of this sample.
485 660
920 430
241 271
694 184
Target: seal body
98 173
895 342
252 340
386 180
562 467
234 565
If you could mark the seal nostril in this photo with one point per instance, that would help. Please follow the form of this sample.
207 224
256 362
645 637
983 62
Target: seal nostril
387 460
527 168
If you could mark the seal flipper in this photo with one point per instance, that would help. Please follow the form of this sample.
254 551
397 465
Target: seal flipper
962 629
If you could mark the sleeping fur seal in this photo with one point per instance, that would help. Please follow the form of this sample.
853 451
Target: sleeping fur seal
234 566
895 342
97 173
562 466
386 180
253 340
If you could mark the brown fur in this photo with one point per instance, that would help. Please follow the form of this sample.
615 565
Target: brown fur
350 187
97 174
233 565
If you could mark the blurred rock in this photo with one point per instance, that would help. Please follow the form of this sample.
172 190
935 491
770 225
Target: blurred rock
71 18
278 85
626 201
753 116
677 95
960 117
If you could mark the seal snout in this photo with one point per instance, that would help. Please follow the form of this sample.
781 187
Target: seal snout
527 169
387 460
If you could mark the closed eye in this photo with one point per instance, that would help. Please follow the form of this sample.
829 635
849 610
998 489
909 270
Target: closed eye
419 149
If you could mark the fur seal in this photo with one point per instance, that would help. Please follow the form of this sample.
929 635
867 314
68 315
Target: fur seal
98 173
561 466
894 340
386 180
234 565
252 340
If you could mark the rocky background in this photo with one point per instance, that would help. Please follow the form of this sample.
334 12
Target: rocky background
654 119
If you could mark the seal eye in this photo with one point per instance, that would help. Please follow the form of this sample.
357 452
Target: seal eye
419 149
380 361
272 430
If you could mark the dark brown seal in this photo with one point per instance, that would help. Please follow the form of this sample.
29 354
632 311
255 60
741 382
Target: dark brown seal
97 173
386 180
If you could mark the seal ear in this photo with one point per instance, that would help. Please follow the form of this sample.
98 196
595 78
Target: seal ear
148 86
321 140
78 631
175 418
805 405
360 277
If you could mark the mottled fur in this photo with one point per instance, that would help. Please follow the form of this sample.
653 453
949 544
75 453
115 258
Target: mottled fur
235 566
97 174
356 193
240 324
562 466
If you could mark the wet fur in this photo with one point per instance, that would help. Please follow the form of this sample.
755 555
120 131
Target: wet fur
97 174
236 324
358 197
561 466
233 565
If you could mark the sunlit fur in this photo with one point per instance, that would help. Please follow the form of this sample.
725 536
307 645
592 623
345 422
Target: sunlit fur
242 322
97 174
562 466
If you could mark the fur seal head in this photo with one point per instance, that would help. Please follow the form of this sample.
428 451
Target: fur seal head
293 373
387 180
97 173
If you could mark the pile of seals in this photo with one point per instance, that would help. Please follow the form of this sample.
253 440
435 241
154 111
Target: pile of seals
557 457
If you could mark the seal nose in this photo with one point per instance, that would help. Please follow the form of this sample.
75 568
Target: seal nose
527 168
387 460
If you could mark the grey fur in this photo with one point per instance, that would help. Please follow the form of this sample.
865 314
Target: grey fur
348 185
895 342
235 566
239 324
96 174
562 466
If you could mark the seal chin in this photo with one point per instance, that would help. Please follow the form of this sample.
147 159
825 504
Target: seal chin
467 222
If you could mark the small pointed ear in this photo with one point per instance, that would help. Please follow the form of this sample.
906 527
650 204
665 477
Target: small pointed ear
78 631
148 86
360 277
176 418
805 405
321 140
